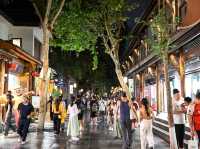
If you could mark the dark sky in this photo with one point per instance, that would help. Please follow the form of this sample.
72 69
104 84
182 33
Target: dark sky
19 12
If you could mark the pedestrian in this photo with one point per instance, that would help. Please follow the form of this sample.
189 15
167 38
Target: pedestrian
102 110
18 99
50 102
146 124
94 106
25 110
9 118
179 117
117 125
194 117
125 121
80 106
133 114
63 112
57 109
73 129
110 108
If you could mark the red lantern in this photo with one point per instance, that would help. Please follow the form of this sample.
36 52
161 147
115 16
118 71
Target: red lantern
35 74
12 66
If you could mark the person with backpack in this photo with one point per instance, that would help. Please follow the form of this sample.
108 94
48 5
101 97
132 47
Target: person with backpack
179 117
194 117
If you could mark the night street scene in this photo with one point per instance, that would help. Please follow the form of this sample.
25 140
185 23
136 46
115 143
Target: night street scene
99 74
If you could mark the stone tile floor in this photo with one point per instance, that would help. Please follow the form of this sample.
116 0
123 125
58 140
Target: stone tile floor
92 138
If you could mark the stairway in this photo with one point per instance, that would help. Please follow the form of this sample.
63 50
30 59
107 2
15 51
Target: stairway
160 128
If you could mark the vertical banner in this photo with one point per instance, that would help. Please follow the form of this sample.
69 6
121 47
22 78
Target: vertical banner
71 89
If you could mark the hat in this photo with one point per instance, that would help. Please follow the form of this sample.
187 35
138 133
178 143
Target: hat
175 91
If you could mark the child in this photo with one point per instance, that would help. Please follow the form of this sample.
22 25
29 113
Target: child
73 126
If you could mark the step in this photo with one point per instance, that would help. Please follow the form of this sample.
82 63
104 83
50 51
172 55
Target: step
160 128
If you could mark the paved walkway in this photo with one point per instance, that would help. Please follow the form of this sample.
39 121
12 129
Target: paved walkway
93 138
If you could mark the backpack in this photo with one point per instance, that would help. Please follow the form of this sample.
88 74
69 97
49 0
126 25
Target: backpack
196 117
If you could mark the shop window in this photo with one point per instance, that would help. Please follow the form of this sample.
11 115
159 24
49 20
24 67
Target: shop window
17 42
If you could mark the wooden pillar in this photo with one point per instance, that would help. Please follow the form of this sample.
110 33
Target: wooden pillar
158 89
2 75
142 85
6 71
30 84
182 72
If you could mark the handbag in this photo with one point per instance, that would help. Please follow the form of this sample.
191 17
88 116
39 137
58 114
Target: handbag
192 144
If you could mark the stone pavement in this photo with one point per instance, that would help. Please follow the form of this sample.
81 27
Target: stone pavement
92 138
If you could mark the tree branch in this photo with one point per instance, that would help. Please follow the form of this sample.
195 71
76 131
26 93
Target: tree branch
38 13
108 32
106 43
57 14
49 3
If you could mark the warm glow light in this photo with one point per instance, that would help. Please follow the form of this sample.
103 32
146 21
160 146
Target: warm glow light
17 42
138 76
150 70
125 79
75 85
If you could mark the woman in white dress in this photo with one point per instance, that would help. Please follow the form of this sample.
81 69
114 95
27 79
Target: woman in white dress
73 130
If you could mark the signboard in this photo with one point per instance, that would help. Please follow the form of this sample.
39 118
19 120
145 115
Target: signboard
71 89
36 101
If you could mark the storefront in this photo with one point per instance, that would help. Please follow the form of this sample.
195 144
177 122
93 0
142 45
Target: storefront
16 67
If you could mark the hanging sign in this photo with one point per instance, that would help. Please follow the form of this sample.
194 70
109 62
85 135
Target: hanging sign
36 101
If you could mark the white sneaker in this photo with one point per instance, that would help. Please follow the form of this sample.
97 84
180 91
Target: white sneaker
75 138
19 139
23 142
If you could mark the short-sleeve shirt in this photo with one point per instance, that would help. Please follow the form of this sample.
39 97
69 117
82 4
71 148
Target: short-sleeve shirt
190 109
178 118
25 110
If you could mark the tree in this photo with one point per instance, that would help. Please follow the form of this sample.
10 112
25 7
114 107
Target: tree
79 67
90 20
48 12
161 27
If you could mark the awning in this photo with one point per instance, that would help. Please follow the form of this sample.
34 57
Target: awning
185 37
17 51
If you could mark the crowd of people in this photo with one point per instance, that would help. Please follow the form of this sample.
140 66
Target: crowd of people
117 113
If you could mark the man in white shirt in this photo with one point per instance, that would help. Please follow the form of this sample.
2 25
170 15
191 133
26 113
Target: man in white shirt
179 117
102 109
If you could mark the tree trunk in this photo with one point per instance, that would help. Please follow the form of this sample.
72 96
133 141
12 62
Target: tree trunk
172 135
44 82
120 77
182 72
158 88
